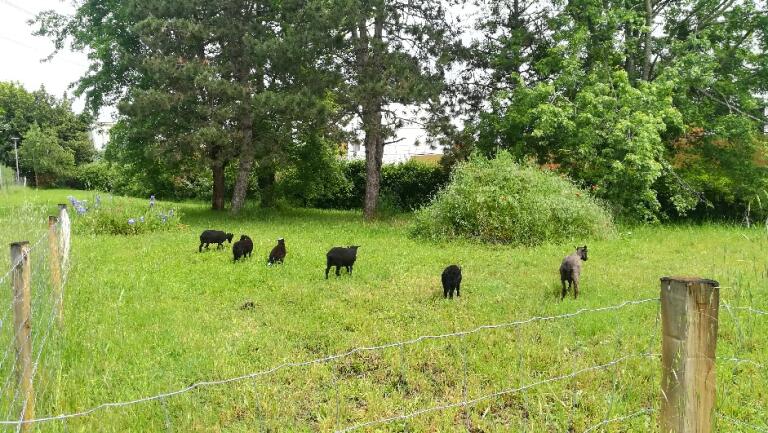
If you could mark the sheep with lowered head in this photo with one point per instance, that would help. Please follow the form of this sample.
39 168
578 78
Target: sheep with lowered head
214 237
570 270
340 256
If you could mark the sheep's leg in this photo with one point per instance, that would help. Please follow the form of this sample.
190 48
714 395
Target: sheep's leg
338 269
562 296
575 288
445 292
327 268
458 290
200 248
349 269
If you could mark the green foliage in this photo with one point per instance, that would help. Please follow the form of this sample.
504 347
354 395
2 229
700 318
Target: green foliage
123 216
404 187
43 154
20 110
497 200
96 176
609 136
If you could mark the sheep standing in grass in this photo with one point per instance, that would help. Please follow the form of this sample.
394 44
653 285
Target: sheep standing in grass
242 248
570 270
278 252
451 281
340 256
214 237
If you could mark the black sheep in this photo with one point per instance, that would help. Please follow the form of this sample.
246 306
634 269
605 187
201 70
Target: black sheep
570 270
340 256
278 252
214 237
451 281
242 248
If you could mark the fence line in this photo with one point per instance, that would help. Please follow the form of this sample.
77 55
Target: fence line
620 418
322 360
742 423
482 398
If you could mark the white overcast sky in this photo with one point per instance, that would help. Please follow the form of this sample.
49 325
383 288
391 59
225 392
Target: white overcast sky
22 53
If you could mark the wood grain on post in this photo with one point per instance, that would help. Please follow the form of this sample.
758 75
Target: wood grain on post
689 309
55 263
22 304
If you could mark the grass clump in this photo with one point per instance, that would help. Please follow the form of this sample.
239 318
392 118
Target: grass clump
122 216
500 201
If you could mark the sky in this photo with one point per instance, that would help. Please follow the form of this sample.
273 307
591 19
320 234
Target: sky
22 52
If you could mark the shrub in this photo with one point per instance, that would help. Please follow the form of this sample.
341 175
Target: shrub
497 200
404 187
97 176
121 216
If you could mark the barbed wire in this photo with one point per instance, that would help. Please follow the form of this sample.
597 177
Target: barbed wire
740 361
620 418
482 398
742 423
322 360
751 310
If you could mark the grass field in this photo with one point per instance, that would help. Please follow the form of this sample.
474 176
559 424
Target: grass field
148 314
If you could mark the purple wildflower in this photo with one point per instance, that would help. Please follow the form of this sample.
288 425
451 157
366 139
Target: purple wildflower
141 219
131 221
152 201
80 209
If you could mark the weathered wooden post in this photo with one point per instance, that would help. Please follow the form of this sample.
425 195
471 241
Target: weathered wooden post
23 326
55 263
64 237
689 309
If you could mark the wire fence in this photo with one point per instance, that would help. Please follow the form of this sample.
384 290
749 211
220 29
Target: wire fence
36 277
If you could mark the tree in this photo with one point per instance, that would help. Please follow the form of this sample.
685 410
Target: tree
212 81
710 57
389 53
20 110
43 154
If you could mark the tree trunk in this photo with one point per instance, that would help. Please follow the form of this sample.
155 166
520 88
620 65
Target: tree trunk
217 201
247 150
245 165
648 40
374 154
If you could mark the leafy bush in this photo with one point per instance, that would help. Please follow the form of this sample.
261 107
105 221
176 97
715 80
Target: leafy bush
121 216
95 176
497 200
404 187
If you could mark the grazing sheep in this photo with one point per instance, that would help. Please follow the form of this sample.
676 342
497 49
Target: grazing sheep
570 270
242 248
278 253
340 256
451 281
214 237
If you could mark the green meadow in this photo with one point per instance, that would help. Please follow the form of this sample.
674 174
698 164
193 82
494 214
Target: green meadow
147 314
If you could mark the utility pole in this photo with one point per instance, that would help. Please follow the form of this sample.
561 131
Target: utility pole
16 151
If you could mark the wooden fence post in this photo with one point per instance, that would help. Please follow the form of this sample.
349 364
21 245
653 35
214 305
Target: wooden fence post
689 309
55 263
22 325
64 237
